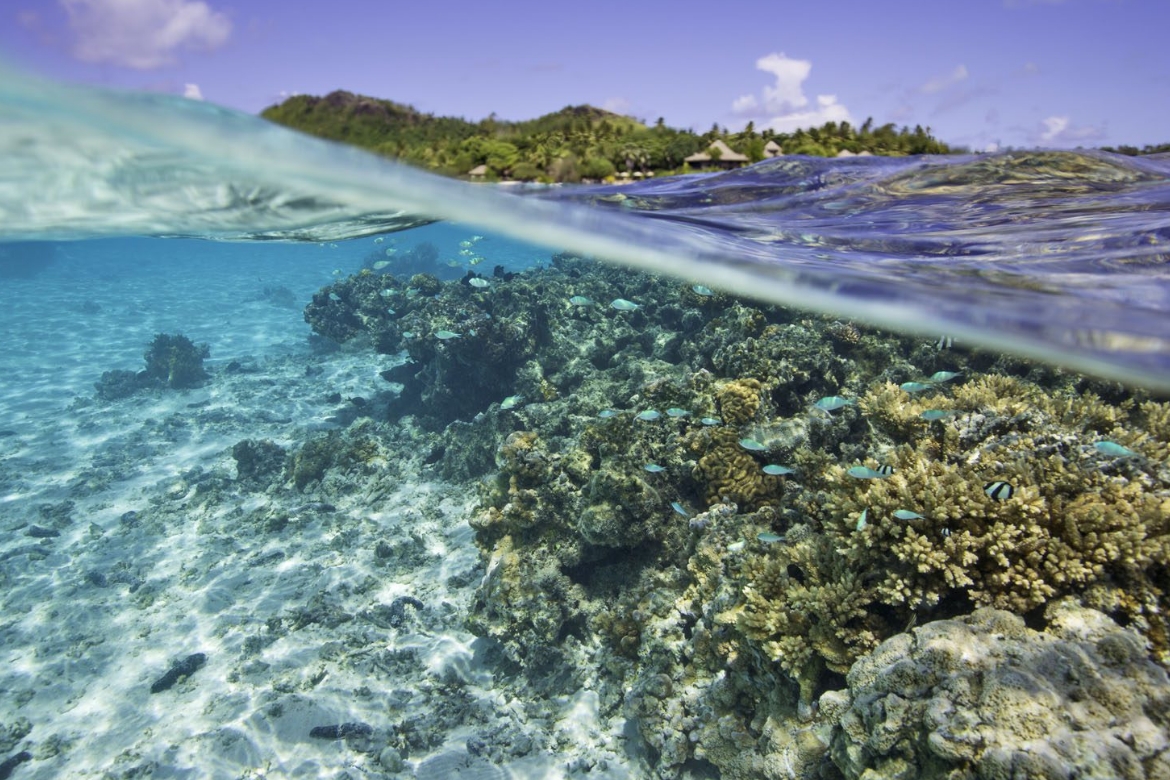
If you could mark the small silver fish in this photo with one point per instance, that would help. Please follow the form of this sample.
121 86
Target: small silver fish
649 415
477 281
699 289
861 519
767 537
581 300
773 470
676 506
621 304
736 546
675 412
511 401
752 445
915 387
943 376
334 297
864 472
446 335
654 468
380 264
933 415
606 414
379 240
906 514
711 421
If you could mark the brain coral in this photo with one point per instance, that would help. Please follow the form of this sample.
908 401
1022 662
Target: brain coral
739 400
728 472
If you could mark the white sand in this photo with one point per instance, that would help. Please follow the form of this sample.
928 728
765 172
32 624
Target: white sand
91 618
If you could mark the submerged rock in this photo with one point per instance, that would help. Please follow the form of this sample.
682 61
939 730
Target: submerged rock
985 696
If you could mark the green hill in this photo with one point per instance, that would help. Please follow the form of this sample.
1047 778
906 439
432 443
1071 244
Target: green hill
567 145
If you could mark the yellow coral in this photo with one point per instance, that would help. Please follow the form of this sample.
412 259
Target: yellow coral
729 473
739 400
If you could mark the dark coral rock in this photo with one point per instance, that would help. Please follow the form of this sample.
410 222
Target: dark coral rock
184 668
341 731
12 762
175 362
115 385
258 460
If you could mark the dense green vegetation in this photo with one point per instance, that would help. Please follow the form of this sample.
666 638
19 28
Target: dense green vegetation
577 142
1133 151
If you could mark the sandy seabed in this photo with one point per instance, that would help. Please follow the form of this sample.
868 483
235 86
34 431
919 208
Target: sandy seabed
127 545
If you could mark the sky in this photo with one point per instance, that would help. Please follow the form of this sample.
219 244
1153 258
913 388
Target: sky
984 74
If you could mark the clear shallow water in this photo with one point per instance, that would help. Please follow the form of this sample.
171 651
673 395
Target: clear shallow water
1058 256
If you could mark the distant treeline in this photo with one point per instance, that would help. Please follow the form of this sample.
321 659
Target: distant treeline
577 142
1133 151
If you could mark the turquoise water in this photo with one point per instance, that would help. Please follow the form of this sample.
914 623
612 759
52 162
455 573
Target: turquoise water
313 465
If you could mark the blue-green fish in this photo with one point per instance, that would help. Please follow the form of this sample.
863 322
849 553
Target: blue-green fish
932 415
682 510
699 289
581 300
649 415
621 304
675 412
861 519
773 470
446 335
864 472
915 387
752 445
510 402
1114 450
605 414
767 537
906 514
654 468
711 421
832 403
943 376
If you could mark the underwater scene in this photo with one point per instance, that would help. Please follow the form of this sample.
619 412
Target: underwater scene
313 465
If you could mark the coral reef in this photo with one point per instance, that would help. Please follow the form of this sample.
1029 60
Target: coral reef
985 696
633 540
175 362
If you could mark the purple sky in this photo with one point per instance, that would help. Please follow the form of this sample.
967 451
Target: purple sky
1054 73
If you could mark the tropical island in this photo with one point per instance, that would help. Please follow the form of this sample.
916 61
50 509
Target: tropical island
577 143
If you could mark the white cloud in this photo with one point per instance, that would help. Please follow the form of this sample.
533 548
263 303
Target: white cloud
939 83
1058 130
784 106
192 92
618 105
143 34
